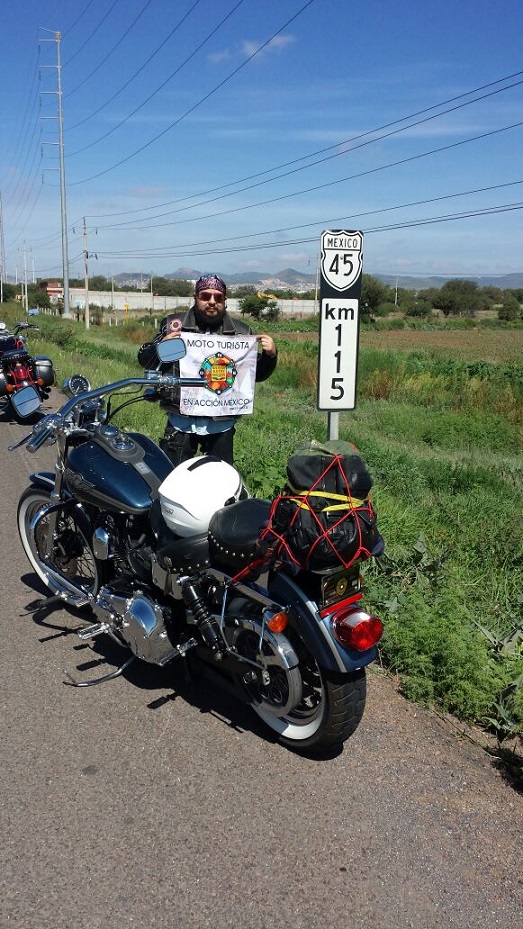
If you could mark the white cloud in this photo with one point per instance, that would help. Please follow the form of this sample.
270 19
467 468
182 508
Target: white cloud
251 47
216 58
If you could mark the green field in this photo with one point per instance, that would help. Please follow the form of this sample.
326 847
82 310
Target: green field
439 421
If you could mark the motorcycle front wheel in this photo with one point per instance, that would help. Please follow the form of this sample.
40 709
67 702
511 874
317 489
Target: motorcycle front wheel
62 556
329 709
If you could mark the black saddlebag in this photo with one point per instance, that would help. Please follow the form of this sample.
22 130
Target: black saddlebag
324 519
44 370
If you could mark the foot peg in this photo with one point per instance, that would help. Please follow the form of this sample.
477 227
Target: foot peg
90 632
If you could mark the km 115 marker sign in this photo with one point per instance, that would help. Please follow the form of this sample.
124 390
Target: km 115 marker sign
340 290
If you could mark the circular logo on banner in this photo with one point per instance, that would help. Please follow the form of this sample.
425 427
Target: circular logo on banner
219 371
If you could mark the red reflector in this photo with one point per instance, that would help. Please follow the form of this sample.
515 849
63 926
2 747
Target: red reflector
357 630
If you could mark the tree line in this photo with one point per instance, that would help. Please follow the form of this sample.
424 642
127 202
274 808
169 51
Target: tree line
457 297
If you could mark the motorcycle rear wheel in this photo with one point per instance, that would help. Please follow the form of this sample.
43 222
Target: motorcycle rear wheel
65 561
328 713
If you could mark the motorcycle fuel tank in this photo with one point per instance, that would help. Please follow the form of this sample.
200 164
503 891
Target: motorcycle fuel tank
120 472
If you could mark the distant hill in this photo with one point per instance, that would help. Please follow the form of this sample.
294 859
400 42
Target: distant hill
421 282
301 280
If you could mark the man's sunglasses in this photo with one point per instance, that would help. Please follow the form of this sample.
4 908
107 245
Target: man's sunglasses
206 296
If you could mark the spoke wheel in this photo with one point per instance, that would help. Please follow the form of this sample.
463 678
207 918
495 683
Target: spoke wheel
58 547
309 709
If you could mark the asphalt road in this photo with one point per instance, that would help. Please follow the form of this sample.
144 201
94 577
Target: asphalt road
140 803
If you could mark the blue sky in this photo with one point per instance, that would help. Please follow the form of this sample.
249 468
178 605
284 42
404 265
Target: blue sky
225 135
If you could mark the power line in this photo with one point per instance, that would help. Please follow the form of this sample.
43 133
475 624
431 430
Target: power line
155 92
109 53
78 18
328 223
362 145
90 36
327 184
20 141
199 102
337 145
136 73
449 217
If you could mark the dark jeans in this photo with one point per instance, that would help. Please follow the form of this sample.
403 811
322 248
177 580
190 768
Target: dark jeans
179 446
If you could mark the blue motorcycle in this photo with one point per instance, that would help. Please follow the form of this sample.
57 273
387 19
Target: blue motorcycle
171 565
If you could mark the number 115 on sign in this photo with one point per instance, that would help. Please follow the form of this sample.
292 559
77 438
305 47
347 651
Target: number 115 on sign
338 354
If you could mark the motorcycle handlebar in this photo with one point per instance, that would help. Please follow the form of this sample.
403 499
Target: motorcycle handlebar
42 432
36 441
48 427
153 379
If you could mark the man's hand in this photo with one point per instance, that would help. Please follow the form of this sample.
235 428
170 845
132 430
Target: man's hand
267 344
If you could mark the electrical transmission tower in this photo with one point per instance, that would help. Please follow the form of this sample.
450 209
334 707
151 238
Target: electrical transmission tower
63 208
2 252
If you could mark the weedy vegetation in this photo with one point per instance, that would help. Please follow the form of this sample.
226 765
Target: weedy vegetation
439 421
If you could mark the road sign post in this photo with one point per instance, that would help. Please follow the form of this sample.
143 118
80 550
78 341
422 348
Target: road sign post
341 269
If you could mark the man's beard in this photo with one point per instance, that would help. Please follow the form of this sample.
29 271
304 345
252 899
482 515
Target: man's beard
212 322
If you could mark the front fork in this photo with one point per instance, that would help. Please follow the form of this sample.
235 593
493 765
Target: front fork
50 511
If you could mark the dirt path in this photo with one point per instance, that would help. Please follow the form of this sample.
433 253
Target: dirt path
146 803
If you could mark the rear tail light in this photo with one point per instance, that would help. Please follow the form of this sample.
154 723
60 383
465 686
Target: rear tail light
357 629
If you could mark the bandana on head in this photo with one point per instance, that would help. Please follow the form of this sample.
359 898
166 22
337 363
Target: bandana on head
210 282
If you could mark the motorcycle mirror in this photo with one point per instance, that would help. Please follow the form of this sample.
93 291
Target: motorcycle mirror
171 350
75 385
25 402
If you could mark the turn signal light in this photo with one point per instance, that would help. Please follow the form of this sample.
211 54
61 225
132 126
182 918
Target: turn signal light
357 630
9 388
40 381
277 622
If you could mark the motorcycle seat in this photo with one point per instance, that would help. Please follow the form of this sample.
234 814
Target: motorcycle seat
8 343
234 531
14 356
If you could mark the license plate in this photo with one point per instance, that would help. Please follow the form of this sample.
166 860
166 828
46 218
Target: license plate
340 586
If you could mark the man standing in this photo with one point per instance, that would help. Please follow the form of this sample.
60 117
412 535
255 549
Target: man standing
213 435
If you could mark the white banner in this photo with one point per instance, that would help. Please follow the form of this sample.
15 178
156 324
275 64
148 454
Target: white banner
227 365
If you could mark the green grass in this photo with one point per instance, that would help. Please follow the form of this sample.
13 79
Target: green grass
443 438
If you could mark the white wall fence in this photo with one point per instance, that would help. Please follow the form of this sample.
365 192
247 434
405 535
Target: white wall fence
134 301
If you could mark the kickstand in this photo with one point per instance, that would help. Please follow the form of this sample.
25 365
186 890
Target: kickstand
99 680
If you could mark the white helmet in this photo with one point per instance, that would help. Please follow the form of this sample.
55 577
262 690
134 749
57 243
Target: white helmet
191 493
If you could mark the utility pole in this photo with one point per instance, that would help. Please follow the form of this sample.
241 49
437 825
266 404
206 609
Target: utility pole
26 301
65 255
63 208
2 252
317 285
86 278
